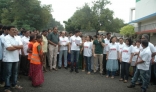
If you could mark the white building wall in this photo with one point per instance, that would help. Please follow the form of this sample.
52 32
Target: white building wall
144 8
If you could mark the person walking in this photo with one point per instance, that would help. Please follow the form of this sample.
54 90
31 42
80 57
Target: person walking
143 64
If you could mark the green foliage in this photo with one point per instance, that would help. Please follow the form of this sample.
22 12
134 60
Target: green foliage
127 30
29 14
97 17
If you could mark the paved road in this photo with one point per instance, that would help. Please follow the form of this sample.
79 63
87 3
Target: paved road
64 81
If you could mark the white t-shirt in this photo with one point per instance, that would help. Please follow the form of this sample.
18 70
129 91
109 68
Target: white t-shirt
11 56
126 53
73 40
145 55
18 38
151 46
107 41
63 41
87 49
25 41
112 49
121 46
135 50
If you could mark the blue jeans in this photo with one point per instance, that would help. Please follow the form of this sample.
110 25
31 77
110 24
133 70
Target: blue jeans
74 58
64 54
11 71
149 75
144 76
88 63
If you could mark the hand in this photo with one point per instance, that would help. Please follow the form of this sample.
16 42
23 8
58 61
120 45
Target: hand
80 52
106 58
94 55
120 59
68 51
100 40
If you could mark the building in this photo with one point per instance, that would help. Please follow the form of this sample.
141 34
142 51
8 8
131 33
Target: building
145 18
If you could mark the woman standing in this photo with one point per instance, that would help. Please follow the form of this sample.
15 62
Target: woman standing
135 50
126 59
36 59
44 48
30 46
112 57
87 52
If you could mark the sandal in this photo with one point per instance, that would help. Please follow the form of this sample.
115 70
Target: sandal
125 81
112 77
121 79
88 73
7 90
17 87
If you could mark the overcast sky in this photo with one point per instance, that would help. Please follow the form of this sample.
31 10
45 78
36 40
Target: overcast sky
64 9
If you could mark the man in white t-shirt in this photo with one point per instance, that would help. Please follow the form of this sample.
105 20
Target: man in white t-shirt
143 64
153 51
12 46
63 50
107 42
75 43
24 57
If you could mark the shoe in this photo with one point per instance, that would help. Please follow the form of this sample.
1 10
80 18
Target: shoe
138 83
131 86
55 69
59 67
71 70
66 67
76 71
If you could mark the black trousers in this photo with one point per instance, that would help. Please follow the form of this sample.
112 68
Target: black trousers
24 65
125 70
104 64
1 72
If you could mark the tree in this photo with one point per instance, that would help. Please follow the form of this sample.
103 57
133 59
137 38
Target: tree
28 14
94 18
127 30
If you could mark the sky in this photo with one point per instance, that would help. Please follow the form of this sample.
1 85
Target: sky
64 9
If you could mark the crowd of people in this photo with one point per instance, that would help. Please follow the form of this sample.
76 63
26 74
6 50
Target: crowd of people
32 53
